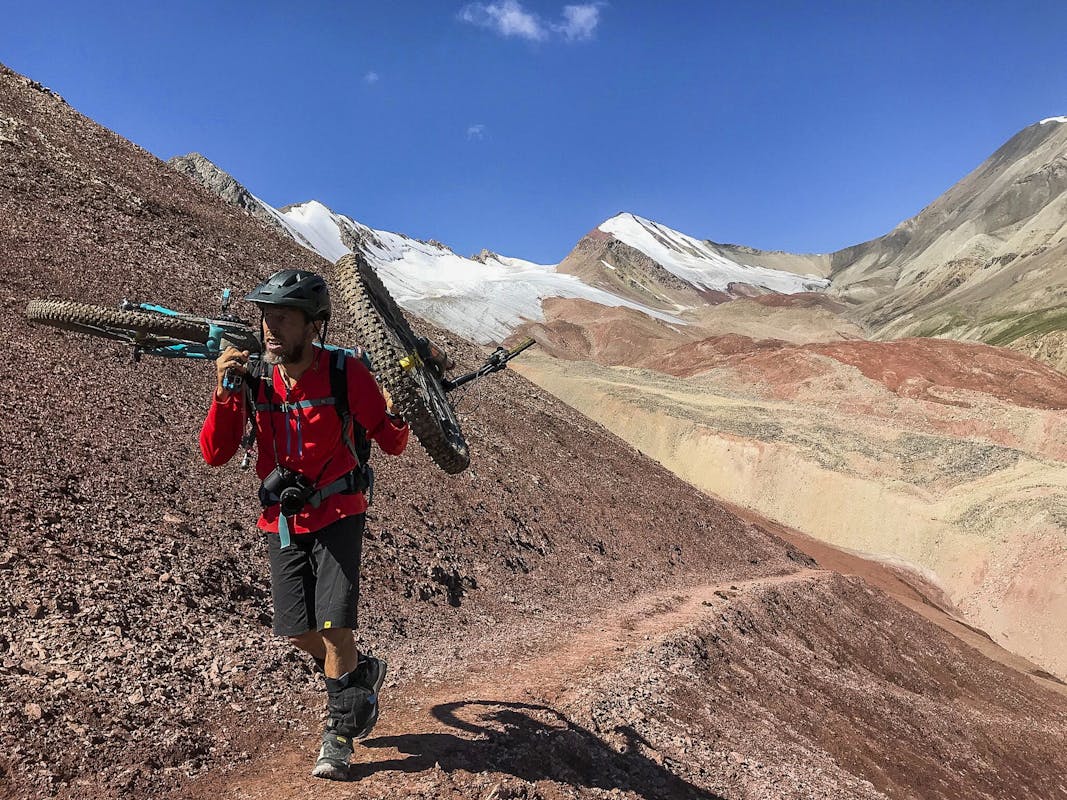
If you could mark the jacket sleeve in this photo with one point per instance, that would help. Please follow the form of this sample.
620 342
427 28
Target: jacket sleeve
221 435
368 407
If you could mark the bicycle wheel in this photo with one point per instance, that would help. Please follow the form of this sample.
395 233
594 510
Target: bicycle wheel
416 391
135 327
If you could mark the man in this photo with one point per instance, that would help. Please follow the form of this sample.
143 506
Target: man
312 492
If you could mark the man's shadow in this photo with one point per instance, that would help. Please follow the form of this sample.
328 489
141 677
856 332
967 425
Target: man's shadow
532 742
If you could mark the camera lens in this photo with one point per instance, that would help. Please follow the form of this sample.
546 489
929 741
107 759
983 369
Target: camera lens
291 500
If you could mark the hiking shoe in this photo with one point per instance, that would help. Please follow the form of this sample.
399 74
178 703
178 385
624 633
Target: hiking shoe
370 674
332 763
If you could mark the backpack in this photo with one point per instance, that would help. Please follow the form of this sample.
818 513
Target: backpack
353 434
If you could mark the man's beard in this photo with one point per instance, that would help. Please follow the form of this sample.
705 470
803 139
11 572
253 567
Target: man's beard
289 355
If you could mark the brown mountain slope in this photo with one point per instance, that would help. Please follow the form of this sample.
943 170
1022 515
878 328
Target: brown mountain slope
134 652
918 368
580 329
987 260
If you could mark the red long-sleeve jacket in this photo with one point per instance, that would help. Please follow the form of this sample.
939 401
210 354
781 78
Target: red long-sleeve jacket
307 440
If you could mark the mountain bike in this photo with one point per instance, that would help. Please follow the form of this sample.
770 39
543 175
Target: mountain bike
412 368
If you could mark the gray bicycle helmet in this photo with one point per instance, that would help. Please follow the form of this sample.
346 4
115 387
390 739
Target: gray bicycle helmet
296 288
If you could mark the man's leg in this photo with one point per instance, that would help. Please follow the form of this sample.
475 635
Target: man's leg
340 654
292 584
352 683
334 651
352 696
311 643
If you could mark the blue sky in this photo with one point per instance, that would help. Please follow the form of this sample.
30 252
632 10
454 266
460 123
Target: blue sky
519 126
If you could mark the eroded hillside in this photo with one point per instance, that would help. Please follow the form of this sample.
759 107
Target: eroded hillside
948 456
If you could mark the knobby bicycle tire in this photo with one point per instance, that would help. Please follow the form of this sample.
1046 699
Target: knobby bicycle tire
111 323
417 393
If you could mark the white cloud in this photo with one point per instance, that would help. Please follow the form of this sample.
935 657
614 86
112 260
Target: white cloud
579 22
372 77
476 131
509 18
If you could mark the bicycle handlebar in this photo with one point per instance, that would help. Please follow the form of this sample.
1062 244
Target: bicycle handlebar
497 360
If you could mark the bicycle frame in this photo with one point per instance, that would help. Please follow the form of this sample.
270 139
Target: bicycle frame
497 361
221 333
230 330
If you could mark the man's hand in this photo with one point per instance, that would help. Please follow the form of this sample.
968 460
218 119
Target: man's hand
234 359
388 400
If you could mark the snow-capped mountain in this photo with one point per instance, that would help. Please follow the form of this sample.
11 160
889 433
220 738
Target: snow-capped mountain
486 297
651 263
483 298
697 263
984 261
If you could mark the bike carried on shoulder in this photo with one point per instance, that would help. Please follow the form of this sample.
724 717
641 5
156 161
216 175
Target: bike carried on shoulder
410 367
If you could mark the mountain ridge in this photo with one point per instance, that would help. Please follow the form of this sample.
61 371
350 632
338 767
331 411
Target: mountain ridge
985 261
983 257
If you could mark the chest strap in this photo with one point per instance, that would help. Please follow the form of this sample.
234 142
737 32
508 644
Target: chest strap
286 407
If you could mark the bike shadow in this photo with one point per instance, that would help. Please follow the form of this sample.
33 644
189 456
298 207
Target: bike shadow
531 742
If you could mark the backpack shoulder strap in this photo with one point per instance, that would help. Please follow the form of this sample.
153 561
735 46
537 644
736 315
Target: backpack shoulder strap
339 375
339 382
258 371
354 435
253 380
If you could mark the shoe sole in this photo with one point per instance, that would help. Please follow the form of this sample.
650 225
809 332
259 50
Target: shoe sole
332 772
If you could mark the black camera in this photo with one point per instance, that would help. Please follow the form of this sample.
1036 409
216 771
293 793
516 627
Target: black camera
288 488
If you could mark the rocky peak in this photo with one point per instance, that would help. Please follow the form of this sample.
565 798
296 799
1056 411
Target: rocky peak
203 171
437 244
221 183
359 237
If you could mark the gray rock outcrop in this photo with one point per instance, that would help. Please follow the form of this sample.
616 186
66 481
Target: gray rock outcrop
218 182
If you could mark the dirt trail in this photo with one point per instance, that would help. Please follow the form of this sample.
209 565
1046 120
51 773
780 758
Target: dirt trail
909 588
427 731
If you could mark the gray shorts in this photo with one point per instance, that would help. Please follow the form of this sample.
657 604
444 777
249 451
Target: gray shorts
315 581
